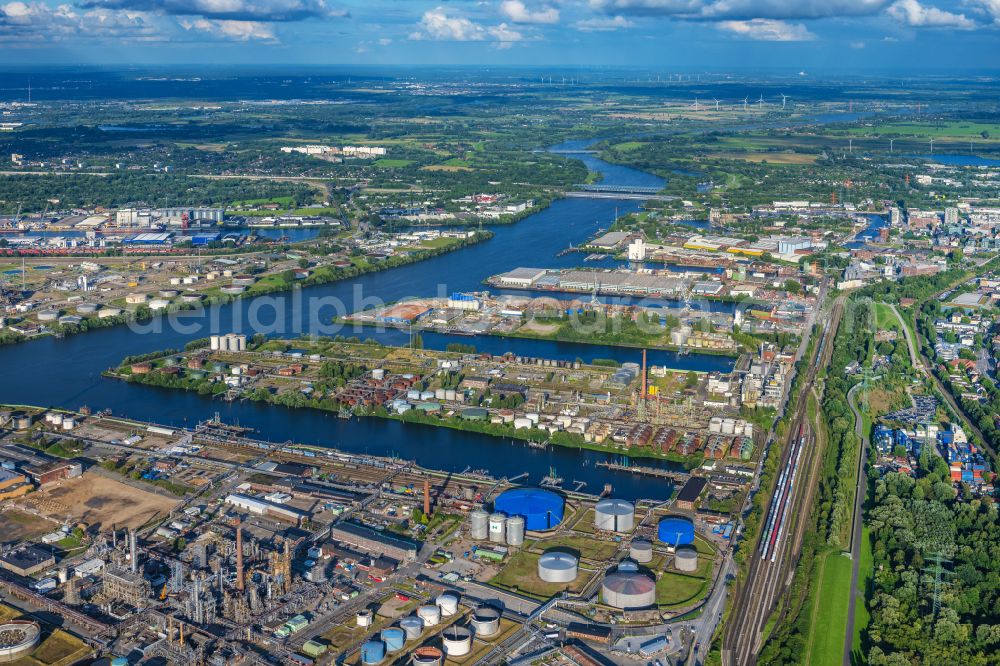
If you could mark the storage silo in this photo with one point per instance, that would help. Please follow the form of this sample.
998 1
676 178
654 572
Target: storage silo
558 567
372 652
614 515
448 603
486 622
427 656
641 551
363 618
675 531
413 626
541 509
498 524
457 641
686 559
515 531
431 615
479 525
394 639
628 590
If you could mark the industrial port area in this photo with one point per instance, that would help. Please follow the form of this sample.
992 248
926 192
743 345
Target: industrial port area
210 546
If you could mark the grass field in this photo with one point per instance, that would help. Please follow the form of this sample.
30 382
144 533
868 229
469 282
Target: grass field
391 163
521 573
588 548
770 158
676 589
956 130
885 319
829 611
866 571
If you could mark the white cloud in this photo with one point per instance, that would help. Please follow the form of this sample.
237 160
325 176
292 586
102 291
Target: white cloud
28 23
858 45
437 24
768 30
518 12
505 36
992 7
603 24
240 31
915 15
743 9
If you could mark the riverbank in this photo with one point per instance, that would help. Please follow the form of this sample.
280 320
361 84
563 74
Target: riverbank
268 284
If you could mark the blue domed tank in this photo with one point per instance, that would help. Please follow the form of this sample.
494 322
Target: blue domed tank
394 638
372 652
675 531
541 509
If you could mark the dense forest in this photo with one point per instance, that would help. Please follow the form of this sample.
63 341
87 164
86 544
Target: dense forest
911 522
32 193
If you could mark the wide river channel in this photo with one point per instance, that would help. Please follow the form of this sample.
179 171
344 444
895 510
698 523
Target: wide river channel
67 372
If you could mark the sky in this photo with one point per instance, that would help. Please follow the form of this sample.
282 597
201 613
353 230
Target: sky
680 35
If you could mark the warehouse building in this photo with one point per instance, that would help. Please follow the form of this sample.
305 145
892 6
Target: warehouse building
262 508
374 541
521 277
27 560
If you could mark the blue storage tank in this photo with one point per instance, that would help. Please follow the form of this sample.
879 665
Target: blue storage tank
394 639
541 509
372 652
675 531
119 661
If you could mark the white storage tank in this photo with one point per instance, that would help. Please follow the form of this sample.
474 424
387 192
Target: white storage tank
378 373
479 525
486 622
448 603
558 567
522 423
364 618
457 641
641 551
68 423
515 531
440 394
450 394
686 559
497 525
213 342
532 416
614 515
431 615
413 626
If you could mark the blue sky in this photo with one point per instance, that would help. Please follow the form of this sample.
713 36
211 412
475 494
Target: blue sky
673 35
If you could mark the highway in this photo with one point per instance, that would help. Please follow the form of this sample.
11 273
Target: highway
771 564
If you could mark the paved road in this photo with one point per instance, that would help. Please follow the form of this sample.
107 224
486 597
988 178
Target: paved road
859 500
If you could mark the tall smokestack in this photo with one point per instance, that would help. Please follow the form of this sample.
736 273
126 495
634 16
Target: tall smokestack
644 375
239 556
133 552
427 497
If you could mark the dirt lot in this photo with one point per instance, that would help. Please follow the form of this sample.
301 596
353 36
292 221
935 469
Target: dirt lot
96 500
19 526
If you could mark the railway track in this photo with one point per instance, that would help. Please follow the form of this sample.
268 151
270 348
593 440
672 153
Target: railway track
776 552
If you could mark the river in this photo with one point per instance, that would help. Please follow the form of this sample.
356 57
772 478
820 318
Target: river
67 372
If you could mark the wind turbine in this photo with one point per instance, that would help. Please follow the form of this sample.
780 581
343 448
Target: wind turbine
760 102
784 98
716 103
745 100
695 103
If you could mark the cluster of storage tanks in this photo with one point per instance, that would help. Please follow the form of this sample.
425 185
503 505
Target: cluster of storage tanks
58 420
516 511
723 426
228 342
456 641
